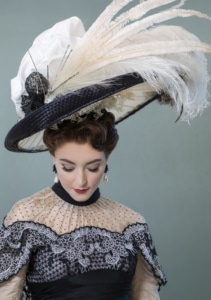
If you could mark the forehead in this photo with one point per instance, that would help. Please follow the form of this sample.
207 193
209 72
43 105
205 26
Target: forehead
78 153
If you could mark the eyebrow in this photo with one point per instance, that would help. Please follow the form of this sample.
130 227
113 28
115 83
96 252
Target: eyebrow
88 163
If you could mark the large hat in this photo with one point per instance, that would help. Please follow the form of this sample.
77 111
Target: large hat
122 63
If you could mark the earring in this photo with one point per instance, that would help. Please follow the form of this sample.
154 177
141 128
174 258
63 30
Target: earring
105 177
56 179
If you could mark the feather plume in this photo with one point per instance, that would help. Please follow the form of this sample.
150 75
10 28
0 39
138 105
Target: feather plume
98 37
169 58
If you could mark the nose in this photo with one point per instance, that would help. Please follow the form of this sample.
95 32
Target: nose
81 179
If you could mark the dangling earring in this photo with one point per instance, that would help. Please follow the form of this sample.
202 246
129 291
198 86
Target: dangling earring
56 179
105 177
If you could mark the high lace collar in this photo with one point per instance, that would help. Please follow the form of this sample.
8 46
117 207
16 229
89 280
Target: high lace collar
60 191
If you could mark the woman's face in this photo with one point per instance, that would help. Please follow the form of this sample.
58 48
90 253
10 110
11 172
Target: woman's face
80 168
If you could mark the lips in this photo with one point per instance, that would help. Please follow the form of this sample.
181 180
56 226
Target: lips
81 191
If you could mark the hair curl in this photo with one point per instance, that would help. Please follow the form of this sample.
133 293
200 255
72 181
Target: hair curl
101 134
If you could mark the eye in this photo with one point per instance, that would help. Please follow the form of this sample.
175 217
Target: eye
67 169
93 169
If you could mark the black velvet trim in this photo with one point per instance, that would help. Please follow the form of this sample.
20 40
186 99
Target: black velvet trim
60 191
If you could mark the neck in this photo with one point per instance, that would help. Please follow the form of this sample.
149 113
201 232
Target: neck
62 193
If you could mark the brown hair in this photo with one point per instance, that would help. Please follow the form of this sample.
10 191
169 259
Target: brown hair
101 134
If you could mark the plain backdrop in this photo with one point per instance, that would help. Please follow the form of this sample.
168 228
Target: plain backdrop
161 169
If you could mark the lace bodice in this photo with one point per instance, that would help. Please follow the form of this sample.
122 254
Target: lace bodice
56 239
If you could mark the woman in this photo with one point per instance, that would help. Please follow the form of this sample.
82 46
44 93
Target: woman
81 245
72 87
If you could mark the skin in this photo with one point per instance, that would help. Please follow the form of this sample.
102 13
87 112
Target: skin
80 169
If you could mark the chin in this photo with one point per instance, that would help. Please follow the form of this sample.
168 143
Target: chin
81 197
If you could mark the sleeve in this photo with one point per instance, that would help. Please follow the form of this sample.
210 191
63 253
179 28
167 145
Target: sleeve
18 239
14 255
12 289
149 276
145 285
12 269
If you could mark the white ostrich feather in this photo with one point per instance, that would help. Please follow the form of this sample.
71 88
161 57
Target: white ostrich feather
169 58
104 37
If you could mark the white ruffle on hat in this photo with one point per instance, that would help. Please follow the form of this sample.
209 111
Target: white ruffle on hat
122 63
46 56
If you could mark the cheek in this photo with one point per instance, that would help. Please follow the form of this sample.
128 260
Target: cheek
65 178
97 179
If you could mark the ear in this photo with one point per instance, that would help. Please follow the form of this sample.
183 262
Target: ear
106 169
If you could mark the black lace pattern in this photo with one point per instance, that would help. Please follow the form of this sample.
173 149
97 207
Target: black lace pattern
54 256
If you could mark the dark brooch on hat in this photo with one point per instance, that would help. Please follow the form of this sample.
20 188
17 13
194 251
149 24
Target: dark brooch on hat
36 86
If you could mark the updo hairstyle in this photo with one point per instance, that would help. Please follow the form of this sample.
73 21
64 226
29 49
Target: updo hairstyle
101 134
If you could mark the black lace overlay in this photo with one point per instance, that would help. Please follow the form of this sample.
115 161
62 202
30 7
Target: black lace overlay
52 256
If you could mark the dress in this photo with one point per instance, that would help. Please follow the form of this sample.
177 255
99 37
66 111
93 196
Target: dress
56 248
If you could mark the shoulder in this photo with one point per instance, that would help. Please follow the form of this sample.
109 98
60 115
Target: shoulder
122 212
26 208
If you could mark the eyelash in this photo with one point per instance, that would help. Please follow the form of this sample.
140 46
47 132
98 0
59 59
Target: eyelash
70 170
94 170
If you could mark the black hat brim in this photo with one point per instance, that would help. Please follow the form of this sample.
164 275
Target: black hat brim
62 107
